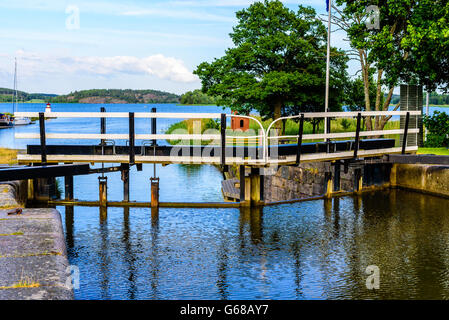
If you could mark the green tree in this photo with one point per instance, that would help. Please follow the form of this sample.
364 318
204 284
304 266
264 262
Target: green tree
438 130
277 65
405 47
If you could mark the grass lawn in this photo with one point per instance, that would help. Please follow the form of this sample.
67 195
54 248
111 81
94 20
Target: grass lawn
8 156
437 151
35 101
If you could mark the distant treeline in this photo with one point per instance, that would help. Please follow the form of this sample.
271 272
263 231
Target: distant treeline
6 95
117 96
197 97
434 99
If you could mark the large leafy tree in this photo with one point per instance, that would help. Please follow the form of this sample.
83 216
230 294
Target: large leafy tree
427 41
277 65
406 47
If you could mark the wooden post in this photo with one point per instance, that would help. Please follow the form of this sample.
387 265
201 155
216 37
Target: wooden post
68 184
42 136
153 127
223 139
358 180
255 187
154 216
131 139
154 192
329 184
30 188
299 146
404 140
103 188
102 128
357 135
125 179
337 169
242 183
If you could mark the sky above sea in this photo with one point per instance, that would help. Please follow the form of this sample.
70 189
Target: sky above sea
62 46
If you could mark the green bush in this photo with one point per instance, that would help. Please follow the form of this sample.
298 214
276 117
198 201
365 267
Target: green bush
437 127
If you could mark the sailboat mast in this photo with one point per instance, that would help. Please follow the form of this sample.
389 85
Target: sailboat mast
14 102
15 79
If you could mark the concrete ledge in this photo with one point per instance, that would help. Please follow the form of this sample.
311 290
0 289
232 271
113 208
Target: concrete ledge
12 194
430 179
33 257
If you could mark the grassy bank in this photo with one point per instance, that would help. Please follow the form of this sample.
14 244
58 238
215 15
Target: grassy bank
8 156
291 128
437 151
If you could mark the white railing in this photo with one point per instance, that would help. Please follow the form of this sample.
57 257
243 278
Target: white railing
263 138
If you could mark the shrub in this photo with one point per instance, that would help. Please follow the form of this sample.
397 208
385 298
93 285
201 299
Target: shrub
437 127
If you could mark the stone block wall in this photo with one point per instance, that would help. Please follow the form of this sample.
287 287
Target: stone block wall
289 182
309 179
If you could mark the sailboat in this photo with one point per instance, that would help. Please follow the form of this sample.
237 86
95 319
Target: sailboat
20 121
6 121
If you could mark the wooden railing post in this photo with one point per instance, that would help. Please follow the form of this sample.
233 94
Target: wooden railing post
153 127
300 133
357 135
242 182
223 139
42 137
131 139
404 138
103 127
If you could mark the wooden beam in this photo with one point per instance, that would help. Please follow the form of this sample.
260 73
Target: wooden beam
42 138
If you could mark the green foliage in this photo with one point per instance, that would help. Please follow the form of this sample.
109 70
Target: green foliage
277 65
197 97
355 97
437 126
412 43
114 95
345 124
6 95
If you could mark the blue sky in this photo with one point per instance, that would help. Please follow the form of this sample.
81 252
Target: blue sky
117 44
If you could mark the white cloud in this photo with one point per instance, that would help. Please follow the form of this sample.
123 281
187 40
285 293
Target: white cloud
158 65
179 14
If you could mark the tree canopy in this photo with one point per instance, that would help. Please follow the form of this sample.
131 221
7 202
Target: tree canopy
196 97
277 64
411 45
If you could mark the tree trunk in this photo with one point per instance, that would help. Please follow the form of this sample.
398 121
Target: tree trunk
366 84
278 113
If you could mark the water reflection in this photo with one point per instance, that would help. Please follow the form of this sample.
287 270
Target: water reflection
105 260
129 256
310 250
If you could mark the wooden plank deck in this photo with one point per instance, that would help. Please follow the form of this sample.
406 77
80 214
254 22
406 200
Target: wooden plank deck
229 189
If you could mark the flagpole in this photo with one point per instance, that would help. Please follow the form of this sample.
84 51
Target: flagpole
326 101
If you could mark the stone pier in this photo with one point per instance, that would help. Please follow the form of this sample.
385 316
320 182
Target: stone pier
33 258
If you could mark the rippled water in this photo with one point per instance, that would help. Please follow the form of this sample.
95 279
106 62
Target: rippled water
310 250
